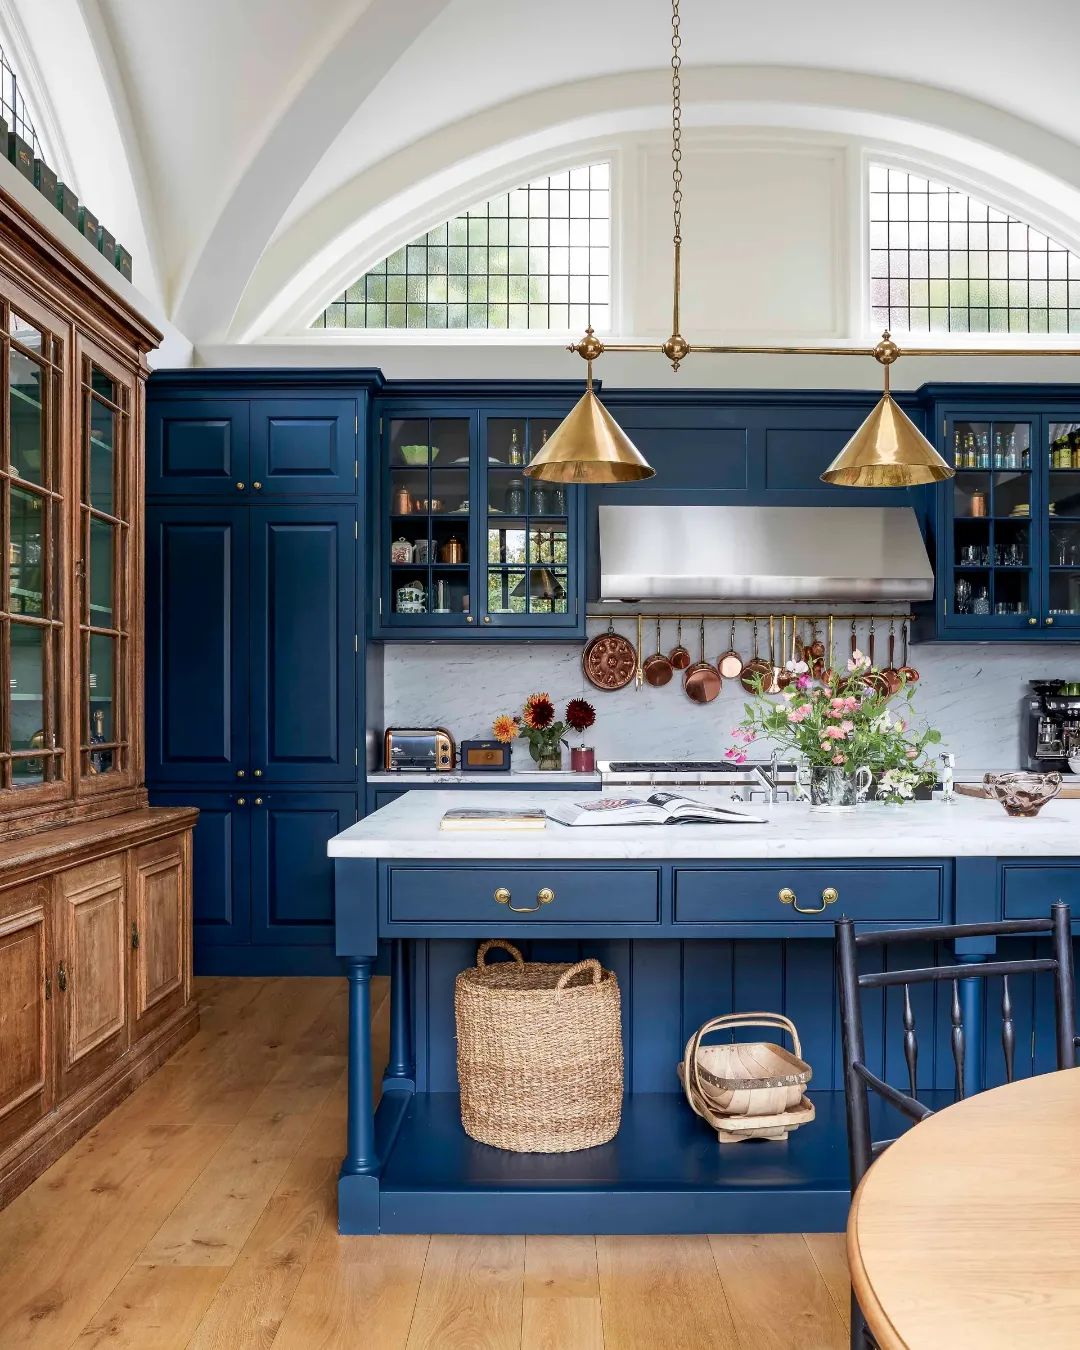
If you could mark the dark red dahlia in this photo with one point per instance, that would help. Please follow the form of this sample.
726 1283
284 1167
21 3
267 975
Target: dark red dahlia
580 714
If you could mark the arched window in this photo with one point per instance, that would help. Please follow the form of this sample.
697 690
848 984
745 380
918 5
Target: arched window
14 107
538 257
944 262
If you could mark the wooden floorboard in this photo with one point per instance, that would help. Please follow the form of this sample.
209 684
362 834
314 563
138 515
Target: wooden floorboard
201 1215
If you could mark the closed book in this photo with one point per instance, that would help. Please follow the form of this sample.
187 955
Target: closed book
106 243
88 224
21 155
122 261
67 203
494 819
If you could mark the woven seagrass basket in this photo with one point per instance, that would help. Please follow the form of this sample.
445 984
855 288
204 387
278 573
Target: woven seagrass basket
539 1053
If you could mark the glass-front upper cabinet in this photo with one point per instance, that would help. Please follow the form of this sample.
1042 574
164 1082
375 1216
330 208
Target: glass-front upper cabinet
104 559
32 493
470 543
1061 455
993 540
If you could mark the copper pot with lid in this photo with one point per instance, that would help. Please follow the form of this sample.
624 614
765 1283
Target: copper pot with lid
702 682
657 669
756 669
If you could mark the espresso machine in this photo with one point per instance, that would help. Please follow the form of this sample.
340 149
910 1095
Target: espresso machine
1052 724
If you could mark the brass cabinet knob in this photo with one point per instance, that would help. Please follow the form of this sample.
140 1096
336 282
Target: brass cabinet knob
257 773
502 896
241 801
1048 621
61 977
1033 620
257 486
468 618
258 801
487 618
240 773
240 487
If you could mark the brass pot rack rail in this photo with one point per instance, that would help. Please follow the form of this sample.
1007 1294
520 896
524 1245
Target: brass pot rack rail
689 616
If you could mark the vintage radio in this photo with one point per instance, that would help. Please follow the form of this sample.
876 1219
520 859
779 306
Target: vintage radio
485 756
427 748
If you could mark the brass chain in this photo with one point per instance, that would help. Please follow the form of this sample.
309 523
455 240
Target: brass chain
676 120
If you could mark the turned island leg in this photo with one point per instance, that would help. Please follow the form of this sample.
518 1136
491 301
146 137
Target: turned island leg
360 1155
400 1070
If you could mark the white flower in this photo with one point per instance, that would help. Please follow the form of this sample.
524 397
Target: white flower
858 661
797 667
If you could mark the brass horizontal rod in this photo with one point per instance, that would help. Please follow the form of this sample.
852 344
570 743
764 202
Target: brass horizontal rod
844 351
688 616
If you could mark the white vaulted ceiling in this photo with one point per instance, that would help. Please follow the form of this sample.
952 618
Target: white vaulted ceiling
253 149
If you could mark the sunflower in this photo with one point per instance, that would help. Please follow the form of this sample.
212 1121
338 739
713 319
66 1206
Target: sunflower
539 712
504 728
580 714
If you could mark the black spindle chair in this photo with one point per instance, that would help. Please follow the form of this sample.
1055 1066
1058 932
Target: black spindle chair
860 1080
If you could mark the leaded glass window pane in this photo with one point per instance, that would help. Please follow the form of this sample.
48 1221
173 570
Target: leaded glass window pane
538 257
944 262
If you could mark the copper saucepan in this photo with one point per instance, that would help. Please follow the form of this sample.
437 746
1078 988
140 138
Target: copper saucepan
657 668
679 656
756 669
702 681
730 664
891 674
908 673
873 679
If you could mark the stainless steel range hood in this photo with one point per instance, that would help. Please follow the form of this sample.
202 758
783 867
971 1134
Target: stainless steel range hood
762 553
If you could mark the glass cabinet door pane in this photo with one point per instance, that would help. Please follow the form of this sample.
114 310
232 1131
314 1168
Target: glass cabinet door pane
25 411
27 682
100 580
101 467
26 554
101 696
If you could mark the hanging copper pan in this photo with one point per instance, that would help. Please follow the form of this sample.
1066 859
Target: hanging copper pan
873 679
908 673
702 681
657 669
679 656
891 674
609 660
730 664
756 669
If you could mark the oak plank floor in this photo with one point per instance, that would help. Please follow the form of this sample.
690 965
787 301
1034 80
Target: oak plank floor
201 1215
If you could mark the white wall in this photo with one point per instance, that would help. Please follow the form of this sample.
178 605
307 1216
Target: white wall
971 693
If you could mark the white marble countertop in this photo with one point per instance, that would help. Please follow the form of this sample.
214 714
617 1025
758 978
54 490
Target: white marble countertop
967 827
406 779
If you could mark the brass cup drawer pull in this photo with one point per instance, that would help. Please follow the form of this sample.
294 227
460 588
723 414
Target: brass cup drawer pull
829 896
544 896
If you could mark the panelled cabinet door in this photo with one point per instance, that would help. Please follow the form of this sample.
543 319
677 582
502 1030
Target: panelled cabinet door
303 682
292 878
221 864
304 447
90 980
25 1010
197 447
197 643
157 931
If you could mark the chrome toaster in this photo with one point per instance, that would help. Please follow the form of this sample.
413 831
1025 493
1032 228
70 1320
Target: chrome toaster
418 748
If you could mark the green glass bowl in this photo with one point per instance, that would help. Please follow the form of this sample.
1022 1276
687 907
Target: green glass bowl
419 454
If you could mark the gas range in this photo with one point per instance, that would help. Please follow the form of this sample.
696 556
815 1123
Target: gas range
769 780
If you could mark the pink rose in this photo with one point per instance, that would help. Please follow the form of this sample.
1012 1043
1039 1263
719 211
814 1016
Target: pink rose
801 713
839 759
834 734
847 727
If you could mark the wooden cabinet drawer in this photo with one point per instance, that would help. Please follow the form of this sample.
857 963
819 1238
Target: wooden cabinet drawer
1028 892
867 894
580 895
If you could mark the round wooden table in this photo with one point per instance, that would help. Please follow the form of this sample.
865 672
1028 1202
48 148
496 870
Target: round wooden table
966 1231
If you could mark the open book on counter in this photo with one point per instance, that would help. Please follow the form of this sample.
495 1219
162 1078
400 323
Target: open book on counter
659 808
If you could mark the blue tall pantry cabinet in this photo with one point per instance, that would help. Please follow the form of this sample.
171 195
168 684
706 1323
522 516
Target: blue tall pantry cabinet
256 542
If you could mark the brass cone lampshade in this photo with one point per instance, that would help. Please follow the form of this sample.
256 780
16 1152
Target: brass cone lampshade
888 450
589 446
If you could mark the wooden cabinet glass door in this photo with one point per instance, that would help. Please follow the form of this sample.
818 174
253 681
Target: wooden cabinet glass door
32 492
111 699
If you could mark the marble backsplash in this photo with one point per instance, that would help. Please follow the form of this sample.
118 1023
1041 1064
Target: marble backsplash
971 693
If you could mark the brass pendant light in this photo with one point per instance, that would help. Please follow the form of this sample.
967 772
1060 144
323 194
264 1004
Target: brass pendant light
589 446
888 450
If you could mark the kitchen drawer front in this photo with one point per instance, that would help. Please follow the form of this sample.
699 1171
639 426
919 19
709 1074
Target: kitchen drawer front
1028 892
866 894
581 895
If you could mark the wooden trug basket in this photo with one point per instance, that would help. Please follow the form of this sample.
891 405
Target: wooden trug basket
744 1080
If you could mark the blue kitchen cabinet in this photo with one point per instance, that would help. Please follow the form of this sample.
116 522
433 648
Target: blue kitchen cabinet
292 879
197 447
221 871
304 447
1005 532
466 545
197 658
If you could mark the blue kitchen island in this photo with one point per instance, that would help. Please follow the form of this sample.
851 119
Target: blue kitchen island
695 921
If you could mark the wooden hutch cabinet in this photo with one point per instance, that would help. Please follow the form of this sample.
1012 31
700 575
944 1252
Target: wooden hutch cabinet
95 886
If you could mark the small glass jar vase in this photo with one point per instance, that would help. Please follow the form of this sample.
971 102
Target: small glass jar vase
515 497
550 761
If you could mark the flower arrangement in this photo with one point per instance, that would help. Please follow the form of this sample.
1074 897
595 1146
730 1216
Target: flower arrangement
844 720
537 725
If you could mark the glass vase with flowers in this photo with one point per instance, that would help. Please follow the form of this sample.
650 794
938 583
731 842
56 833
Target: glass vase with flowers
848 729
538 725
